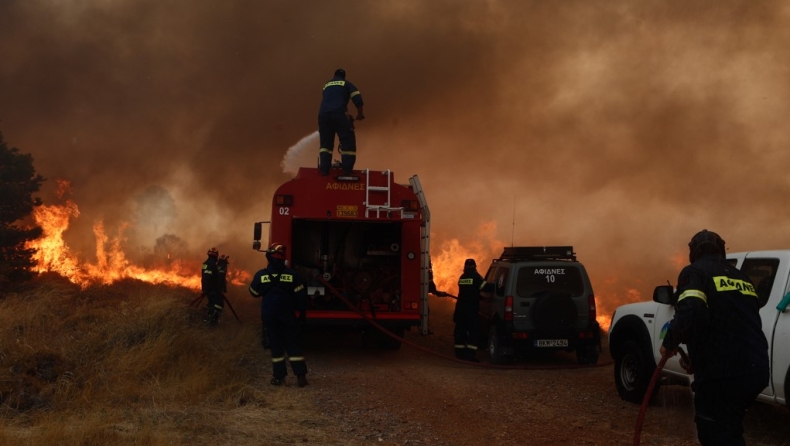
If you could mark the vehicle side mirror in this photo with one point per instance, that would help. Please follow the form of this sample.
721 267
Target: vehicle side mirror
256 236
664 294
782 305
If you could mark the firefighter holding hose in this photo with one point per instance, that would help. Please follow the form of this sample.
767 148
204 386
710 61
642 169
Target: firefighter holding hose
467 324
211 287
282 294
333 118
717 317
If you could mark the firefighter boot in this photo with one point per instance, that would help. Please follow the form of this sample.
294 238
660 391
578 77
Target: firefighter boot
277 381
215 318
209 314
471 355
459 351
302 380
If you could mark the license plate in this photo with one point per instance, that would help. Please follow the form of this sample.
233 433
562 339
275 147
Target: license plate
347 211
551 343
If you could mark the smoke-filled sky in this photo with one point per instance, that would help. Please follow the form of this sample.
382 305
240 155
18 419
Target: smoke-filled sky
615 126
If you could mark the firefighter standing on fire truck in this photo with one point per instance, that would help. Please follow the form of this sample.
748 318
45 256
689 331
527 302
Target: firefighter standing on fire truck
282 295
211 287
717 317
467 324
333 118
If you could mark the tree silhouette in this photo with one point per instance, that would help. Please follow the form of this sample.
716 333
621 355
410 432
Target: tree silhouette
18 183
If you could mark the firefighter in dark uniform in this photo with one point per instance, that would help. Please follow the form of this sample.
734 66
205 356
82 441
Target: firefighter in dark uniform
717 317
222 269
211 286
467 322
282 295
333 118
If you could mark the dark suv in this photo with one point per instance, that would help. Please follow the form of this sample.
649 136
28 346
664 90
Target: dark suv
542 301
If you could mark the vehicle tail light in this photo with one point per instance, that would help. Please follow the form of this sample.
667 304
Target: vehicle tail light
284 200
410 205
592 314
508 308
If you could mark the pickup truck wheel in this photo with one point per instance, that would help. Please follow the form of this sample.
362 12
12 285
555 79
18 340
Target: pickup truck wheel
632 372
496 354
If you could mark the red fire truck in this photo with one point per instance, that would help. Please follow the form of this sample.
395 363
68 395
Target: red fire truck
361 243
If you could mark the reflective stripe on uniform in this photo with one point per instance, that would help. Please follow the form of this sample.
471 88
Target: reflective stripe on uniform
460 346
253 292
286 278
693 293
278 359
299 288
465 281
354 93
266 279
207 271
335 83
483 284
297 358
348 152
724 283
471 347
325 150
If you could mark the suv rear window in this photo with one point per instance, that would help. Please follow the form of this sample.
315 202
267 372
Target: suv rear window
535 281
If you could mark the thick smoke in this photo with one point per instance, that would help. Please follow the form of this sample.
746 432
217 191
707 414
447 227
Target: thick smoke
619 127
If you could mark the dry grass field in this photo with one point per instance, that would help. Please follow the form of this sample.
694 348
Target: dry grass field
133 364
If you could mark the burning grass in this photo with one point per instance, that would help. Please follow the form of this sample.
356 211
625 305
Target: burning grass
132 363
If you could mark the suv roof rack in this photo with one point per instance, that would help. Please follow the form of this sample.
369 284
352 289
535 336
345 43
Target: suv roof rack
538 253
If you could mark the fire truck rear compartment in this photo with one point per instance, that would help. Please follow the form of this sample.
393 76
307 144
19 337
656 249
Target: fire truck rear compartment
361 259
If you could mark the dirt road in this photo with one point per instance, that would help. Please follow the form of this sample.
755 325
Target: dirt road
409 397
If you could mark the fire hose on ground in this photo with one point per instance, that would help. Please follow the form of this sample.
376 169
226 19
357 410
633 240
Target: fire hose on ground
649 393
370 320
197 300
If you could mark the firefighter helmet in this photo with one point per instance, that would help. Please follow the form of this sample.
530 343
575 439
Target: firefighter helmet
213 252
470 263
224 258
341 73
276 251
705 242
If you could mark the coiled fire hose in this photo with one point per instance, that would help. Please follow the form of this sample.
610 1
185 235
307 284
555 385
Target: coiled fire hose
649 392
386 332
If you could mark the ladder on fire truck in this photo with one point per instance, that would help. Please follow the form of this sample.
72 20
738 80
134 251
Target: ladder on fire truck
382 207
425 231
425 252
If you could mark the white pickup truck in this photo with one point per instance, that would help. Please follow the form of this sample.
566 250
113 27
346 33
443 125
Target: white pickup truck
637 330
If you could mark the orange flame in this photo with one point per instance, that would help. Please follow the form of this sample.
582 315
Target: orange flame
53 255
448 264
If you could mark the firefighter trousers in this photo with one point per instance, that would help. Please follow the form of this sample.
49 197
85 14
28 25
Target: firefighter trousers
283 330
330 124
720 406
466 334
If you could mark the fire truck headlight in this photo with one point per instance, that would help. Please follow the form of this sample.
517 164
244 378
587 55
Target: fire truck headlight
410 256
